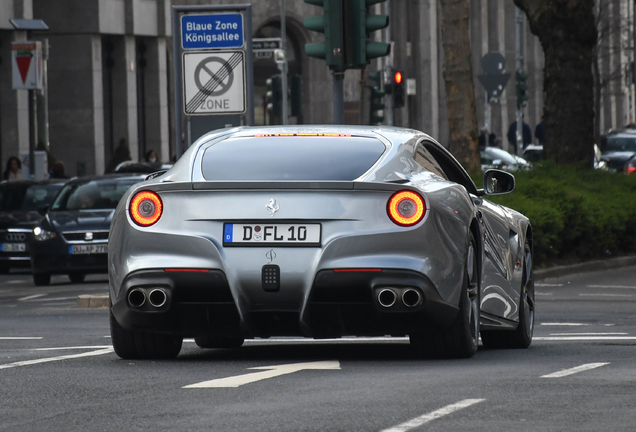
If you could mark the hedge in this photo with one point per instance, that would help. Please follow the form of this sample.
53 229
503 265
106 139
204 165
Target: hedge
576 214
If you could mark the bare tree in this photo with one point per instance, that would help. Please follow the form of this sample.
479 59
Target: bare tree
458 77
567 32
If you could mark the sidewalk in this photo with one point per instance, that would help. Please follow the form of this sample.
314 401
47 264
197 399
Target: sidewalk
588 266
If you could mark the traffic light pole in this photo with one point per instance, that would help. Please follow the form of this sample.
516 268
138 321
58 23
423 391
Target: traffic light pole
519 48
283 37
388 67
338 98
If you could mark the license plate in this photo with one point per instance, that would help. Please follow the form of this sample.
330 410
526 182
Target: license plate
271 234
13 247
88 249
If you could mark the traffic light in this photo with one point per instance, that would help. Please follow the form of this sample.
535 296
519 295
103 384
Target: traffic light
275 96
376 111
346 25
358 25
330 23
522 88
399 93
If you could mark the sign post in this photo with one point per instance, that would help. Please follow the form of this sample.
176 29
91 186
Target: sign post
213 67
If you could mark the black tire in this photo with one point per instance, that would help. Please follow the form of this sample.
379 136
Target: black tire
461 339
77 277
131 345
41 279
521 337
210 341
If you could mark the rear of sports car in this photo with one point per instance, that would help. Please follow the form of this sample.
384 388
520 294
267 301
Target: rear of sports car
279 236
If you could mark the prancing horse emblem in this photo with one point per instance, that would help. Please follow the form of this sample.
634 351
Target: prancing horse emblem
272 207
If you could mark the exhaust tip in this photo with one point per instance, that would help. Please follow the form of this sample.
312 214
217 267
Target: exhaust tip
387 298
411 298
157 297
137 298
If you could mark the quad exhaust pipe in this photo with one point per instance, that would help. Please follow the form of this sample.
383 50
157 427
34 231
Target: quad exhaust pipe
410 297
157 297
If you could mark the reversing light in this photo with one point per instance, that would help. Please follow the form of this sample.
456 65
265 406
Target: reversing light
146 208
406 208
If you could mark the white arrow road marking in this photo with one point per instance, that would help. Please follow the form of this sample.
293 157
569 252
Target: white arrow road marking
419 421
269 372
572 371
52 359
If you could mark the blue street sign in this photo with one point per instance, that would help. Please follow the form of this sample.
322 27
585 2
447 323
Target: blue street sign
212 31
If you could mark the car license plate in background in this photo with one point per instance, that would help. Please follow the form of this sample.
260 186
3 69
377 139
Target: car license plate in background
13 247
268 234
88 249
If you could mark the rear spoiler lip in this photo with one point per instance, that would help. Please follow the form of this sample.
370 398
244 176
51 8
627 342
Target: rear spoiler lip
298 185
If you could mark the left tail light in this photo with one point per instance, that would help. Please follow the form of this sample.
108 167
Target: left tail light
406 208
146 208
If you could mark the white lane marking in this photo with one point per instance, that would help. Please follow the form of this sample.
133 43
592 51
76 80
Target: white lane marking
584 338
51 299
72 348
548 285
20 337
543 294
419 421
15 282
605 295
587 334
268 372
52 359
563 324
31 297
612 286
574 370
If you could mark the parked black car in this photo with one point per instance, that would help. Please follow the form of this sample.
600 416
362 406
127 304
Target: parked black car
73 236
619 151
19 205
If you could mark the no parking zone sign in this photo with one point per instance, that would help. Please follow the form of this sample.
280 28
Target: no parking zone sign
26 65
214 82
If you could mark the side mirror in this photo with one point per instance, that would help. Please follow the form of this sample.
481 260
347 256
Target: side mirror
42 209
497 182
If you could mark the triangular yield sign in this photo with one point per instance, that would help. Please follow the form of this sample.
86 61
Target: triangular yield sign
24 63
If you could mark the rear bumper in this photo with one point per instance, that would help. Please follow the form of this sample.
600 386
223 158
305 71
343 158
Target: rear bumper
340 303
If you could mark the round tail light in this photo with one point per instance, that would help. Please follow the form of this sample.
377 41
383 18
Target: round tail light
146 208
406 208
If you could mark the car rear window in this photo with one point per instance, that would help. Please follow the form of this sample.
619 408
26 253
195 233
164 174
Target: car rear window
291 158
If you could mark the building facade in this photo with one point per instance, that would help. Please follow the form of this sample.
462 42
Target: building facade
111 80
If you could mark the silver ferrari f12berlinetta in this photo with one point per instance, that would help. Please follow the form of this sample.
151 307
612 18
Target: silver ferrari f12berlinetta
321 232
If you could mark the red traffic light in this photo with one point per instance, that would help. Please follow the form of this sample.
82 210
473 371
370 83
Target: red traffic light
397 77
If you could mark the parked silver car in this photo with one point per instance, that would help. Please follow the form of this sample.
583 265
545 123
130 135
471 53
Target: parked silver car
319 231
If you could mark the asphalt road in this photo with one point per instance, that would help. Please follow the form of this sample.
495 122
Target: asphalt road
58 372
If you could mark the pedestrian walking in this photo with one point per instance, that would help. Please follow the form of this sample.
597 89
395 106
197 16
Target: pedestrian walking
512 134
58 171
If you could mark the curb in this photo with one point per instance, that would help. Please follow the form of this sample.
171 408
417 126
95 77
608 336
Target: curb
92 301
589 266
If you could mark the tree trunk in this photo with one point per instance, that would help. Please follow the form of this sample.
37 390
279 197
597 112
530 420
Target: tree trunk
567 32
458 77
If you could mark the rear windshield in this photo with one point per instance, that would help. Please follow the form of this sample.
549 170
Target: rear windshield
291 158
27 197
92 195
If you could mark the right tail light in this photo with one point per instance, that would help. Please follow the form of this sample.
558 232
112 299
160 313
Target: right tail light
406 208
